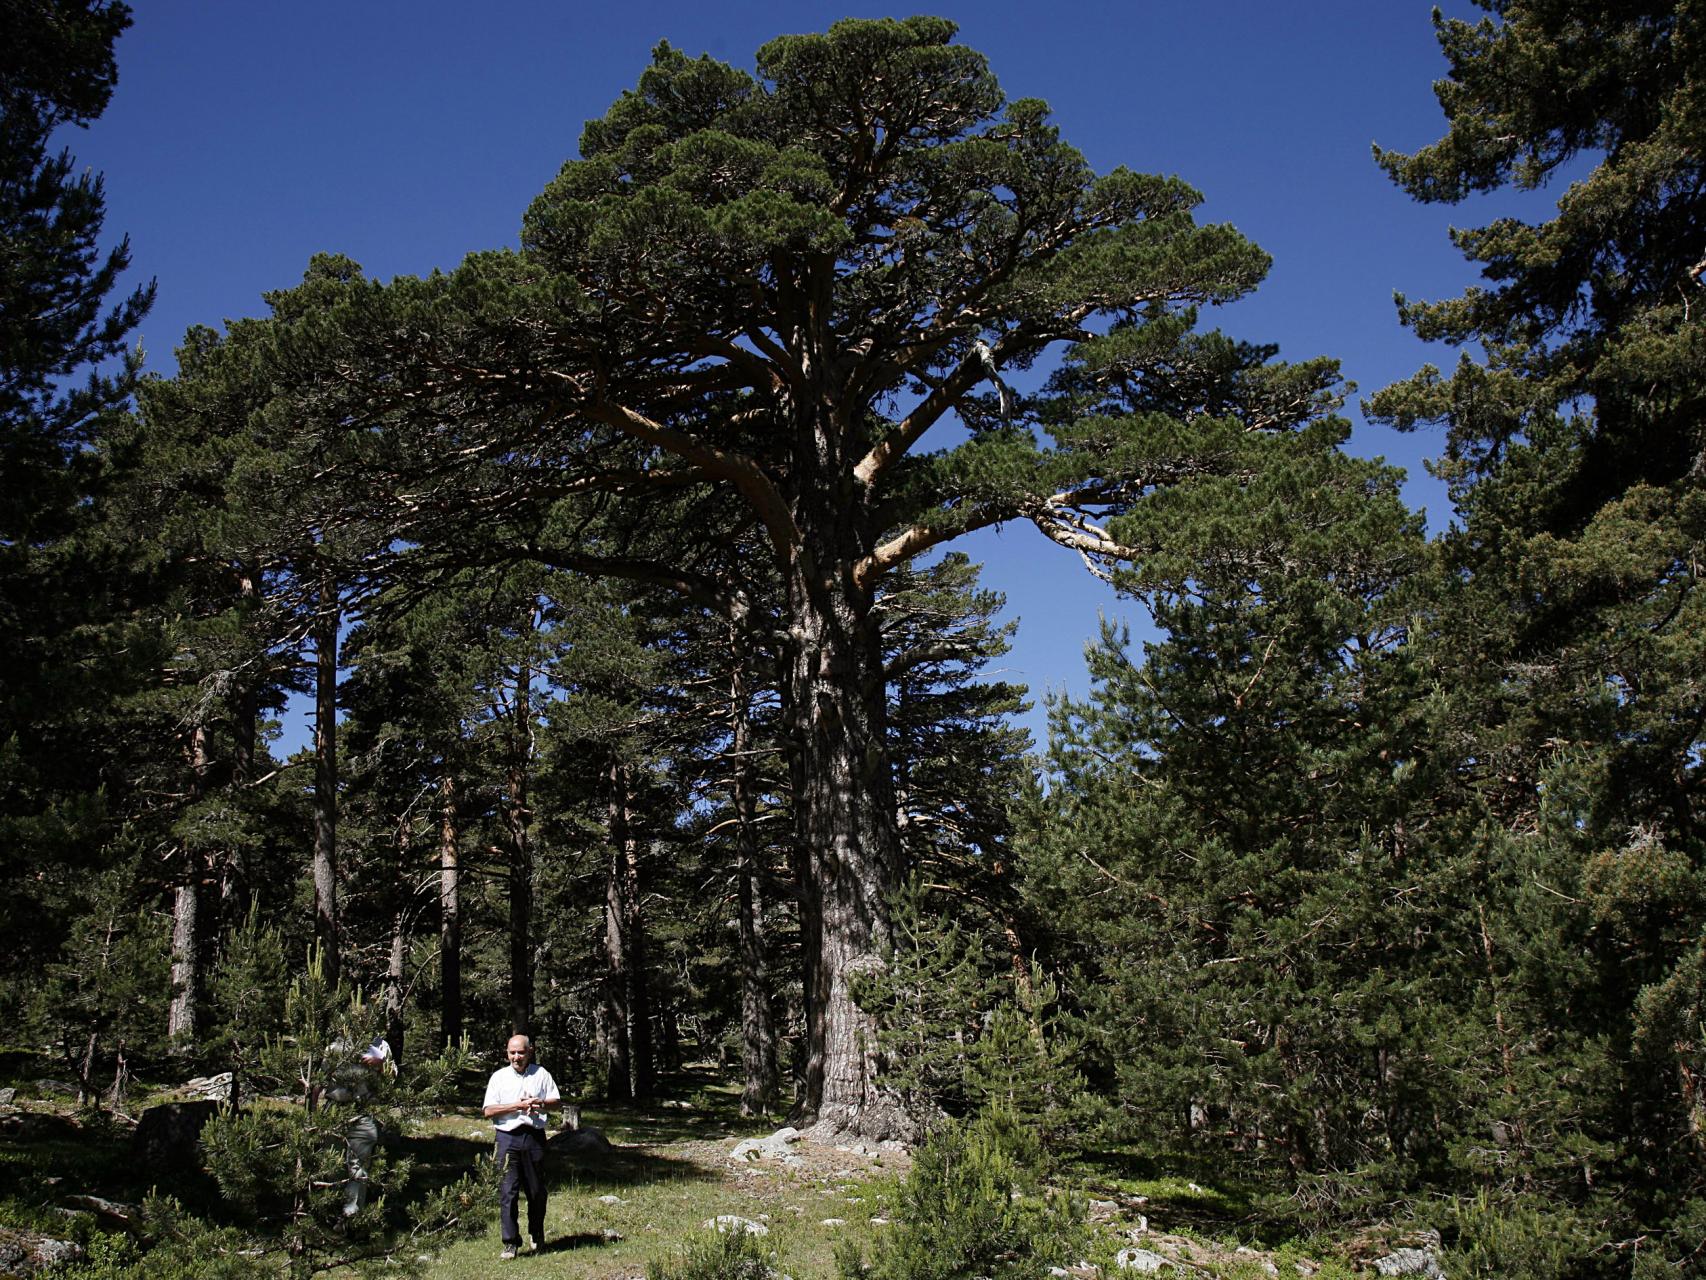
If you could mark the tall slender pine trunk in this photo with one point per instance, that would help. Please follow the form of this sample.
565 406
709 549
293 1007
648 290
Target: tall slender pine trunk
187 942
234 872
397 962
757 1022
449 915
627 1044
327 926
516 816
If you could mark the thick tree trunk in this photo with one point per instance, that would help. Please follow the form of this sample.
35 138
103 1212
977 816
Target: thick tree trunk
327 930
757 1024
847 836
449 916
629 1066
516 815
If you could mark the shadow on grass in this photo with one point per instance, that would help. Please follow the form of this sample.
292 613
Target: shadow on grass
442 1158
655 1128
622 1167
1247 1210
573 1243
691 1104
46 1156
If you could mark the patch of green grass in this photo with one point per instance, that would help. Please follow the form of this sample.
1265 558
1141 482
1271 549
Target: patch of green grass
647 1209
644 1204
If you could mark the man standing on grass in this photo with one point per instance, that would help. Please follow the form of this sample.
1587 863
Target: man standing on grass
517 1098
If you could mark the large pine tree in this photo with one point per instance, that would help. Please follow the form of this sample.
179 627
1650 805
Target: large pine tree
763 292
63 375
1570 630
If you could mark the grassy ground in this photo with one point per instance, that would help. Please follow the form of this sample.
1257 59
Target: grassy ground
614 1214
670 1173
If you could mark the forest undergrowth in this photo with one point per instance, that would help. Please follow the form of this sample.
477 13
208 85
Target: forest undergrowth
976 1198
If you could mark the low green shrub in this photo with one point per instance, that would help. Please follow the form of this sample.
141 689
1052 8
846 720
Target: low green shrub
726 1255
973 1206
175 1246
1524 1238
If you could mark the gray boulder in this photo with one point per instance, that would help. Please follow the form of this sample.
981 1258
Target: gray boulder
1409 1262
167 1135
1140 1260
586 1143
23 1253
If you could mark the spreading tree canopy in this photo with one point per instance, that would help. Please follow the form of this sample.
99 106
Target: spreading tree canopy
784 305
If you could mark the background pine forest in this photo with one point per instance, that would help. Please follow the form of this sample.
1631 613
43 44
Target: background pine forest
654 704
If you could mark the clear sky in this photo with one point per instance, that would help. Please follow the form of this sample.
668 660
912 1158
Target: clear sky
245 137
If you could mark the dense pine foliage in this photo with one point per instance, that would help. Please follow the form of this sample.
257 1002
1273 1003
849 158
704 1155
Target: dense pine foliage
654 716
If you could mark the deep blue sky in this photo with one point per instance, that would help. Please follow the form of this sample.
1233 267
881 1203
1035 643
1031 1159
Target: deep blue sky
244 138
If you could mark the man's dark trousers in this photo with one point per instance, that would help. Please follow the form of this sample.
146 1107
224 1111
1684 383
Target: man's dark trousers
521 1152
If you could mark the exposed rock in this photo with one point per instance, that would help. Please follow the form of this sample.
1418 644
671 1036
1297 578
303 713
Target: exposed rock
1267 1264
53 1089
587 1143
725 1222
111 1212
1409 1262
7 1096
775 1147
213 1088
1140 1260
23 1253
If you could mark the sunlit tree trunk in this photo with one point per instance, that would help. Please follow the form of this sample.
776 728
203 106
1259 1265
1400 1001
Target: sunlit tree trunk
327 925
629 1066
449 915
184 1008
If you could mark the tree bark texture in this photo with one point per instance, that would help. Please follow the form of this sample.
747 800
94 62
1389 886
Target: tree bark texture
396 965
186 975
449 915
182 1012
327 928
757 1024
629 1066
516 816
234 871
847 836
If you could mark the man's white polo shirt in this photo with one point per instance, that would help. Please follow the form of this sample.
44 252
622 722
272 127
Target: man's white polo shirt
509 1086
